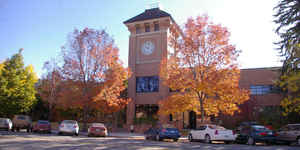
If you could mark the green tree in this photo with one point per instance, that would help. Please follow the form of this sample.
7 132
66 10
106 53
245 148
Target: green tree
288 20
17 86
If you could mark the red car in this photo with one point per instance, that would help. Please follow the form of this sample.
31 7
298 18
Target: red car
42 126
97 129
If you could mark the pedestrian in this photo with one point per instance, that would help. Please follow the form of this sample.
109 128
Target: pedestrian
131 128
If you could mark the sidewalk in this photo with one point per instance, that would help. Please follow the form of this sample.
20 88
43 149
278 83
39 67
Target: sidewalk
126 135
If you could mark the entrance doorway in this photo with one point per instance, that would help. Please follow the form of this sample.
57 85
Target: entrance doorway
192 120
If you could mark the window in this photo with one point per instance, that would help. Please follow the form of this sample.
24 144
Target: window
147 84
137 29
260 89
156 26
147 27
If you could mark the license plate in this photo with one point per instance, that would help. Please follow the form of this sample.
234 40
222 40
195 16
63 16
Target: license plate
226 136
97 130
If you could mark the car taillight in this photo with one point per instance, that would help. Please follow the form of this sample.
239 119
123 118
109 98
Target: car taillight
62 125
75 126
163 130
263 133
275 134
216 132
233 132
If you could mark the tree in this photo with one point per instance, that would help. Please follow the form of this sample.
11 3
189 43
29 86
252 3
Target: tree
202 68
50 85
93 73
288 20
17 86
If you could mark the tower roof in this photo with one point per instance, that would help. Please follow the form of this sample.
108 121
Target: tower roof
149 14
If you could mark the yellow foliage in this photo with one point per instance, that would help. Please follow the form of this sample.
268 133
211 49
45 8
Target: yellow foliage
203 67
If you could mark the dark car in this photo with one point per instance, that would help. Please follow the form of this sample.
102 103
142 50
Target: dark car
256 133
42 126
160 134
289 134
244 124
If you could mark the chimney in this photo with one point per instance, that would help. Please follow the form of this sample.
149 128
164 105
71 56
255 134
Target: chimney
153 5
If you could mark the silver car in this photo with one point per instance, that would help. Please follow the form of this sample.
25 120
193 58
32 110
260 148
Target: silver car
5 123
69 127
289 133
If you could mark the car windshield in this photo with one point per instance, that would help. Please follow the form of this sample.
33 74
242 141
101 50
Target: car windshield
69 121
216 127
294 127
21 117
259 128
172 129
43 122
97 125
3 120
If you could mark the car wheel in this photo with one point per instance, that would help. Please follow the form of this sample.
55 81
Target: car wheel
298 140
250 141
207 139
76 133
28 129
59 133
175 140
190 137
227 142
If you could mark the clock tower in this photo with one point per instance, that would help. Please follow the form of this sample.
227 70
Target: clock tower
147 47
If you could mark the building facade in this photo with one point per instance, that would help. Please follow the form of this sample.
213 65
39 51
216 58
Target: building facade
148 46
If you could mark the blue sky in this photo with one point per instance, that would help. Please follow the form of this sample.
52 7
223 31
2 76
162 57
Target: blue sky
41 26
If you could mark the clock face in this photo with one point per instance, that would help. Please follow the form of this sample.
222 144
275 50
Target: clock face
148 48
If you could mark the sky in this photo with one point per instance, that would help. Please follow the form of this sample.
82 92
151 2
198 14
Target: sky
41 26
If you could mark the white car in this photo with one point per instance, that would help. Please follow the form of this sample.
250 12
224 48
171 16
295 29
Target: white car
5 123
68 126
210 132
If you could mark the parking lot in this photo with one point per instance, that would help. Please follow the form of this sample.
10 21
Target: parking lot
35 141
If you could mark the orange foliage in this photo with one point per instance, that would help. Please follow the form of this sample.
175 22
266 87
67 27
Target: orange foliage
93 73
203 67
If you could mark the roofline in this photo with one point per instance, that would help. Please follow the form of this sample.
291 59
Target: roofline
262 68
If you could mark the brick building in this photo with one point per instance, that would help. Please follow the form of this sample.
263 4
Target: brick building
148 46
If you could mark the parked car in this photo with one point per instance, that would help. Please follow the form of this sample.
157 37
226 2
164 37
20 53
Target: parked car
42 126
289 133
97 129
160 134
210 132
256 133
69 127
22 122
5 123
243 124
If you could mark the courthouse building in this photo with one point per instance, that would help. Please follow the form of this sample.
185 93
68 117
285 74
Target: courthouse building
148 44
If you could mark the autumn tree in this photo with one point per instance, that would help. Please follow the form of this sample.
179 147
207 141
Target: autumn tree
93 73
50 85
202 67
287 17
17 86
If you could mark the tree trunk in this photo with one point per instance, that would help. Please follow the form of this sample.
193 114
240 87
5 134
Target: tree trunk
201 107
85 113
202 110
